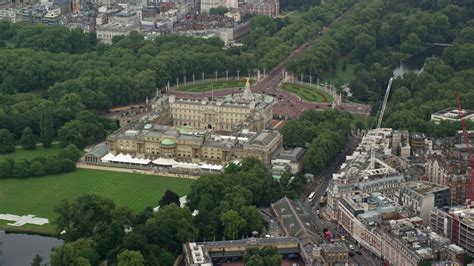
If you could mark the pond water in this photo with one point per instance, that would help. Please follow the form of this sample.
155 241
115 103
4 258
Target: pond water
20 249
416 63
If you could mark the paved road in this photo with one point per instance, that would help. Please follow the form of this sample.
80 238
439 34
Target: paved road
288 106
321 222
363 260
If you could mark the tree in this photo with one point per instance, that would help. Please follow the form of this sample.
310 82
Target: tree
28 139
70 152
130 258
52 165
270 256
7 143
220 10
6 167
253 219
67 165
47 129
412 45
81 217
21 169
80 252
232 223
266 256
170 228
80 133
365 44
37 168
168 198
37 260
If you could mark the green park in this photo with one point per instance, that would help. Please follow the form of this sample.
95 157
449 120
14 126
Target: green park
212 85
40 151
39 195
307 93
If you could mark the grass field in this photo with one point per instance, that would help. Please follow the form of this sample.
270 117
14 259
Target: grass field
40 195
21 154
307 93
219 85
340 77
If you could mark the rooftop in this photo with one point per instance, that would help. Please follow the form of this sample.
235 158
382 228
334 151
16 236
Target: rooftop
244 99
369 207
119 27
99 150
453 113
424 188
293 154
294 218
334 248
264 138
463 212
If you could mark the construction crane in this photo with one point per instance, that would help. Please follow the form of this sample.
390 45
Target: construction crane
470 181
379 122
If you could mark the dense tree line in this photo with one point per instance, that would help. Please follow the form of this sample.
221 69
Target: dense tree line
293 5
323 133
95 229
61 72
49 38
66 118
380 34
228 202
63 162
272 40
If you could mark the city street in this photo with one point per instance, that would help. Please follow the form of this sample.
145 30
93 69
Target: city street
322 221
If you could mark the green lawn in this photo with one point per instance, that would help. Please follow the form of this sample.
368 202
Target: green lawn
340 77
21 154
310 94
39 195
207 86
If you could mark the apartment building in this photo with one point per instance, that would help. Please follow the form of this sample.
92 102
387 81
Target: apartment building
419 197
379 225
456 223
448 172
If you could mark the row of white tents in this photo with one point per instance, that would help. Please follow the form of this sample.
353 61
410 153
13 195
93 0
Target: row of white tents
164 162
124 158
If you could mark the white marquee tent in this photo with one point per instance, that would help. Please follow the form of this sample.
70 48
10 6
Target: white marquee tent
124 159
